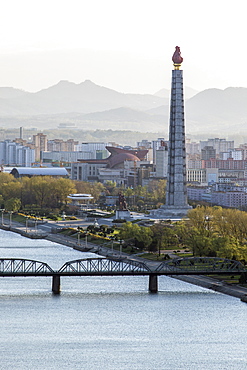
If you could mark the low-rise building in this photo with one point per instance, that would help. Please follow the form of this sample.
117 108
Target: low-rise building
18 172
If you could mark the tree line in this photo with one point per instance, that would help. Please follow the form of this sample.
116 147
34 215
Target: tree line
207 231
48 192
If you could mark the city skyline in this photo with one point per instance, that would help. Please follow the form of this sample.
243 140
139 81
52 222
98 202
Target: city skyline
126 46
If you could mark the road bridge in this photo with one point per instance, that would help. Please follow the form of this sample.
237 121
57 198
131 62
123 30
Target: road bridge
10 267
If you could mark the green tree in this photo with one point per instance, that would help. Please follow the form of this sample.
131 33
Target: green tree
202 219
199 243
11 190
6 178
61 188
12 204
230 247
157 191
164 236
41 187
96 189
111 188
142 236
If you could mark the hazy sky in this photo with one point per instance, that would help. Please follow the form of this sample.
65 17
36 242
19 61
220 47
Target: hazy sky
126 45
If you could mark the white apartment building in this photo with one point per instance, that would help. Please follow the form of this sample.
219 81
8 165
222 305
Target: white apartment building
235 154
161 162
97 149
15 154
156 144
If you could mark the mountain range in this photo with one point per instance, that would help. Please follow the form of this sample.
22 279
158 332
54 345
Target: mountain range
89 106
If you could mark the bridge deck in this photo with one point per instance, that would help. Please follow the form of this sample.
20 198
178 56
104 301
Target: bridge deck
119 267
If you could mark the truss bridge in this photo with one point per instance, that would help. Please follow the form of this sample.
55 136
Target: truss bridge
10 267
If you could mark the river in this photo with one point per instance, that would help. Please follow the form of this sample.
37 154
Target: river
109 323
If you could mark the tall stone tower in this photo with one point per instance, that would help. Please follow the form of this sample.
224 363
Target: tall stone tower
176 193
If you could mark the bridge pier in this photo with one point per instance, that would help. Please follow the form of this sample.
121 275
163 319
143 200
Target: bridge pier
153 283
56 284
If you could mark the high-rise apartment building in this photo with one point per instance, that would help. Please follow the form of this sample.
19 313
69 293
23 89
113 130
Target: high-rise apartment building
15 154
208 152
220 145
40 143
58 145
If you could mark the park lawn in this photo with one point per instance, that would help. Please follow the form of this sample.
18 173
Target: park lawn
189 254
19 218
229 279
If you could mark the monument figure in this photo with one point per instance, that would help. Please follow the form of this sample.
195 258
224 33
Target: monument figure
122 212
122 204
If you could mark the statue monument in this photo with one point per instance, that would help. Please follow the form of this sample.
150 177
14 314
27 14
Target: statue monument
122 212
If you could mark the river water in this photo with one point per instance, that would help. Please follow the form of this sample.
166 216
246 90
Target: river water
109 323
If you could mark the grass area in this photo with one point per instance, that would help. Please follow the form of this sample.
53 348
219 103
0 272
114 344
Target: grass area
189 254
19 218
230 279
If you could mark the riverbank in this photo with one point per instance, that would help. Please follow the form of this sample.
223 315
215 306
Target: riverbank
236 291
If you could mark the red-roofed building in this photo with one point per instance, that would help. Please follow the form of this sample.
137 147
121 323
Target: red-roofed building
119 167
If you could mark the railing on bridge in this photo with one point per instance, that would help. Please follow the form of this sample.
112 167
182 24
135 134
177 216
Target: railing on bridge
103 266
201 265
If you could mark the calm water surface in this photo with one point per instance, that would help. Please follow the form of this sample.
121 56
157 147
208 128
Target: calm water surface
113 323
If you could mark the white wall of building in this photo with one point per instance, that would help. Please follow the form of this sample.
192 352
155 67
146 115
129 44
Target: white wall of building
161 162
12 153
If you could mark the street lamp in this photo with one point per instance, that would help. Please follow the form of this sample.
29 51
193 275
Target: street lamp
10 218
207 219
78 235
2 210
26 223
86 240
35 227
121 247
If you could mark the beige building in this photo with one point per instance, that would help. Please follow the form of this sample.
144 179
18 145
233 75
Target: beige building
40 143
59 145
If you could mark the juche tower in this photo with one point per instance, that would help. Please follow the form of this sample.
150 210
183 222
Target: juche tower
176 192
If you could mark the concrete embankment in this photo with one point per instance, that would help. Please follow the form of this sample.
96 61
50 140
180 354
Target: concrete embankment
23 232
202 281
216 285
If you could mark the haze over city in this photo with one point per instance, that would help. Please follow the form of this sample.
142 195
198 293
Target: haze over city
123 45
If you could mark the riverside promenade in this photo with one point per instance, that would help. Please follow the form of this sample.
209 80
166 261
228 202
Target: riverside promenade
48 230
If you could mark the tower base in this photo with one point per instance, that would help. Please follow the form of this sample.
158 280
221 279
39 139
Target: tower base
167 212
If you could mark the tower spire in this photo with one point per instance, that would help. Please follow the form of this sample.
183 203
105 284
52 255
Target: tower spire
176 58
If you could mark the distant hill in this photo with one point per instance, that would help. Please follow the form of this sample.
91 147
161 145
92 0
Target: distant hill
221 111
66 97
212 112
10 93
124 118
